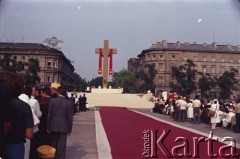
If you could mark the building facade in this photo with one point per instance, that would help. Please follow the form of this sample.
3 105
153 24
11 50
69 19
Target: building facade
213 59
54 66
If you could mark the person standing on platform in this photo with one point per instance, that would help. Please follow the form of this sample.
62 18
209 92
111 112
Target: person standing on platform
84 102
59 122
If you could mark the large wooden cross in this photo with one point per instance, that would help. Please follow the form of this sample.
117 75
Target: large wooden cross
105 53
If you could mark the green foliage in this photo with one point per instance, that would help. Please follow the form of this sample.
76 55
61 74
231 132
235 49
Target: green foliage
95 82
147 78
227 83
206 83
187 84
31 77
11 65
126 80
79 83
185 76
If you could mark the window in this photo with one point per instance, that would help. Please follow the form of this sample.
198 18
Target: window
204 58
222 69
161 57
15 57
213 59
160 67
231 60
160 80
23 57
173 57
204 69
49 64
48 79
222 59
213 70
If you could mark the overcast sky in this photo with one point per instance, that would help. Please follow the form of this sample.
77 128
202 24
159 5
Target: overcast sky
130 25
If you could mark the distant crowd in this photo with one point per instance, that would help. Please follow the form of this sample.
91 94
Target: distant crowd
32 116
216 112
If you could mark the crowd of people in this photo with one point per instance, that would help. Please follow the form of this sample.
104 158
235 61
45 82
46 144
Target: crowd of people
215 112
32 116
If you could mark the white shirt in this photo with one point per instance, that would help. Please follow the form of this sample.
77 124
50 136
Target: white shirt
36 108
196 103
183 104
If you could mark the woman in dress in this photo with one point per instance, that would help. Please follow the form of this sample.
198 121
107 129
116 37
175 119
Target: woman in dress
216 118
190 111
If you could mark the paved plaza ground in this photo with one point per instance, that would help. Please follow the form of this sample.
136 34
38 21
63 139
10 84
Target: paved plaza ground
82 143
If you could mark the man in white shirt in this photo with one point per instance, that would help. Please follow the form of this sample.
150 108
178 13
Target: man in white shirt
196 110
182 109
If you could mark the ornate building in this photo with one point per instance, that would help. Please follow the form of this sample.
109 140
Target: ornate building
54 66
212 58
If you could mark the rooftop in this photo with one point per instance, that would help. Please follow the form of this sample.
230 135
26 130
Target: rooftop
195 47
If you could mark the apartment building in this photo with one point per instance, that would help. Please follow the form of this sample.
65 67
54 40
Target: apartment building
54 65
213 59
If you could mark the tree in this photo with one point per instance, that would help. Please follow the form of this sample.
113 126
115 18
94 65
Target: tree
126 80
206 83
185 76
79 82
227 83
31 77
11 65
95 82
147 78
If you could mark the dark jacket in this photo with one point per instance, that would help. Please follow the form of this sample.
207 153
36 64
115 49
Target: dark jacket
60 117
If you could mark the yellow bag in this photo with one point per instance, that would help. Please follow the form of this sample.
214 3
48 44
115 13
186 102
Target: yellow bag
46 151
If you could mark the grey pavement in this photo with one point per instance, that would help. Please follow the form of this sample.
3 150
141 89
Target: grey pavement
82 142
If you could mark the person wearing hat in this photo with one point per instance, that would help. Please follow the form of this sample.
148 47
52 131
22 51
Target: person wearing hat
54 89
59 122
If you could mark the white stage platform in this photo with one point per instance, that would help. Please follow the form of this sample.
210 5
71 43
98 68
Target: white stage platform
105 90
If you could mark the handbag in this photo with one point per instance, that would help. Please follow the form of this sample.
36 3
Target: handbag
211 113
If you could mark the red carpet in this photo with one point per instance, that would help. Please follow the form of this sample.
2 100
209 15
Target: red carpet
124 130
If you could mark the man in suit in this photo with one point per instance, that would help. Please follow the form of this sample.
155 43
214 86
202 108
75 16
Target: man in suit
59 122
80 103
72 100
84 102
